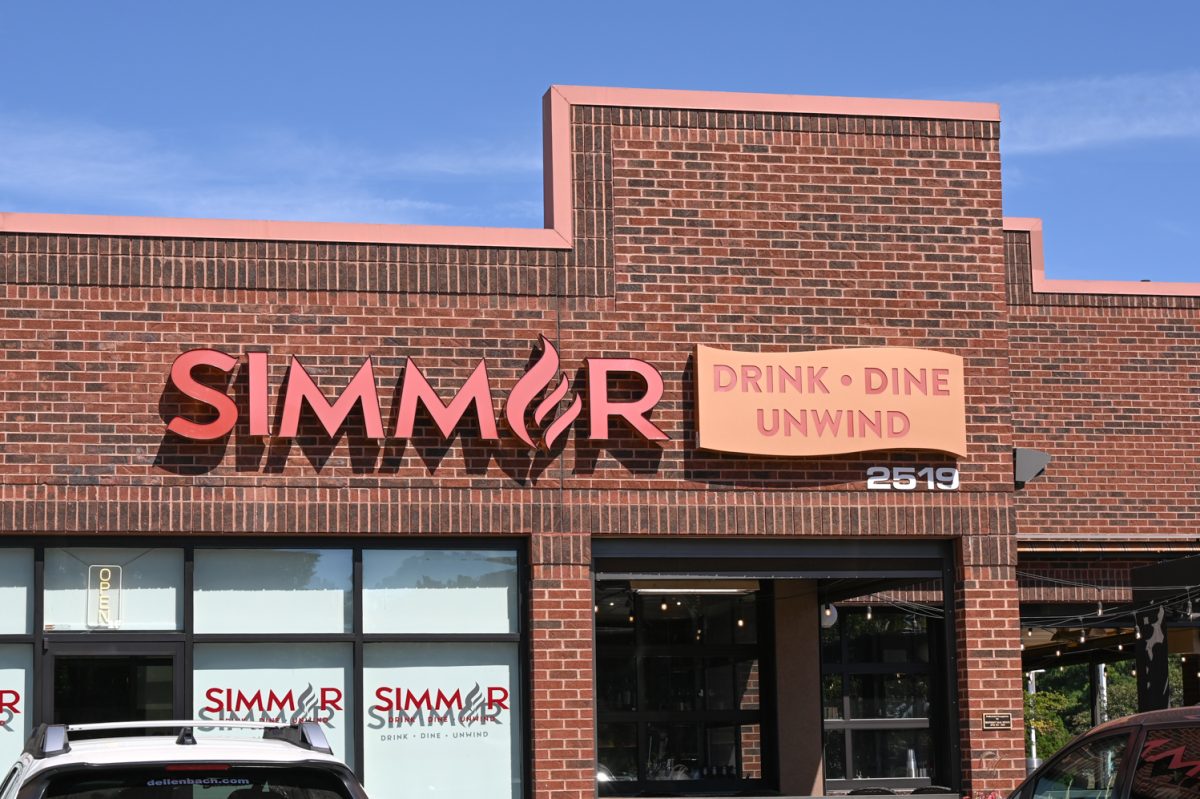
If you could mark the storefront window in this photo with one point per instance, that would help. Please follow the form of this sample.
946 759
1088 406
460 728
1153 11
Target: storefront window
439 591
89 588
442 720
678 693
273 591
891 754
16 687
877 667
16 591
278 682
432 638
889 696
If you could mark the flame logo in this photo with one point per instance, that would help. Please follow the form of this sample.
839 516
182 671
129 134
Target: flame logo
306 704
534 382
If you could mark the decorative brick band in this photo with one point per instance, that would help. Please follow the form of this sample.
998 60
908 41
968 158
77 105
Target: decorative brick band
168 510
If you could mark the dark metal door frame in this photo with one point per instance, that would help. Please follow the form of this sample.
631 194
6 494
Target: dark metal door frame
54 648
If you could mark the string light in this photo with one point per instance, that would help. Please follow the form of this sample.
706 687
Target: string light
741 622
828 609
1057 653
1099 608
868 612
663 606
1082 637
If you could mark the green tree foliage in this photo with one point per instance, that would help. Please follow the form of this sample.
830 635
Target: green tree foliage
1062 709
1044 716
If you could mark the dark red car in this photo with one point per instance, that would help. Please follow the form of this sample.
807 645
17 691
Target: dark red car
1152 755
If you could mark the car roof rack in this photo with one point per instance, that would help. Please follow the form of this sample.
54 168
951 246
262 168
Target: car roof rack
49 740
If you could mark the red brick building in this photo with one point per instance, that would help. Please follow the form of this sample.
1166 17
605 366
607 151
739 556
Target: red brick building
611 604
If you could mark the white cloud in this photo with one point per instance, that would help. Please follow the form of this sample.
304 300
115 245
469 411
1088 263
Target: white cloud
68 165
1088 112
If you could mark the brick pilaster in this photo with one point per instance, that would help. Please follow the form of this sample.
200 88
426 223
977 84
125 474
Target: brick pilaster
987 608
564 749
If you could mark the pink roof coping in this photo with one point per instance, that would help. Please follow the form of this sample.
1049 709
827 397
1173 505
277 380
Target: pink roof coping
557 234
1045 285
557 194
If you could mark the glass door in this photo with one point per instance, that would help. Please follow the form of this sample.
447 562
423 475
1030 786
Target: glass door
112 681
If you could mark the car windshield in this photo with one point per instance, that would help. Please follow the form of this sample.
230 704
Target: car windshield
197 781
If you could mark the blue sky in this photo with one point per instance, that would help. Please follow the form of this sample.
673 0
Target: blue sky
430 112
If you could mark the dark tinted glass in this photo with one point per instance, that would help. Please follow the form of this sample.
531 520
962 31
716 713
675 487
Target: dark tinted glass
616 682
698 751
835 754
906 754
89 689
699 619
889 636
1168 766
204 781
889 696
1089 770
616 750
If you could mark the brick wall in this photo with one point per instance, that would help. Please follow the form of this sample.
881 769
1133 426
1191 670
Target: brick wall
773 231
1110 387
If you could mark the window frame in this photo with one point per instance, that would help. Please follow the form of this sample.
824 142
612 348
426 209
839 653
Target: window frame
1133 744
641 651
39 637
846 725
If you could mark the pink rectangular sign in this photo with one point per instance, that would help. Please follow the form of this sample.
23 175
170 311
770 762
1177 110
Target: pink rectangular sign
830 402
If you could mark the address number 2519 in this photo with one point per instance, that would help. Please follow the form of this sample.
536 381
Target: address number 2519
909 478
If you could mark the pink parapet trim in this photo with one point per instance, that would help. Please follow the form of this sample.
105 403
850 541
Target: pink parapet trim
780 103
1043 285
557 175
557 179
264 230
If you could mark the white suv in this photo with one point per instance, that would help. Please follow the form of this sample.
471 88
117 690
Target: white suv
289 762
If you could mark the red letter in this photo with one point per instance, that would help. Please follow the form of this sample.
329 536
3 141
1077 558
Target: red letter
633 412
331 698
720 370
876 380
284 701
300 387
451 701
497 696
941 382
421 700
8 700
213 695
181 376
258 394
476 391
385 701
251 702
